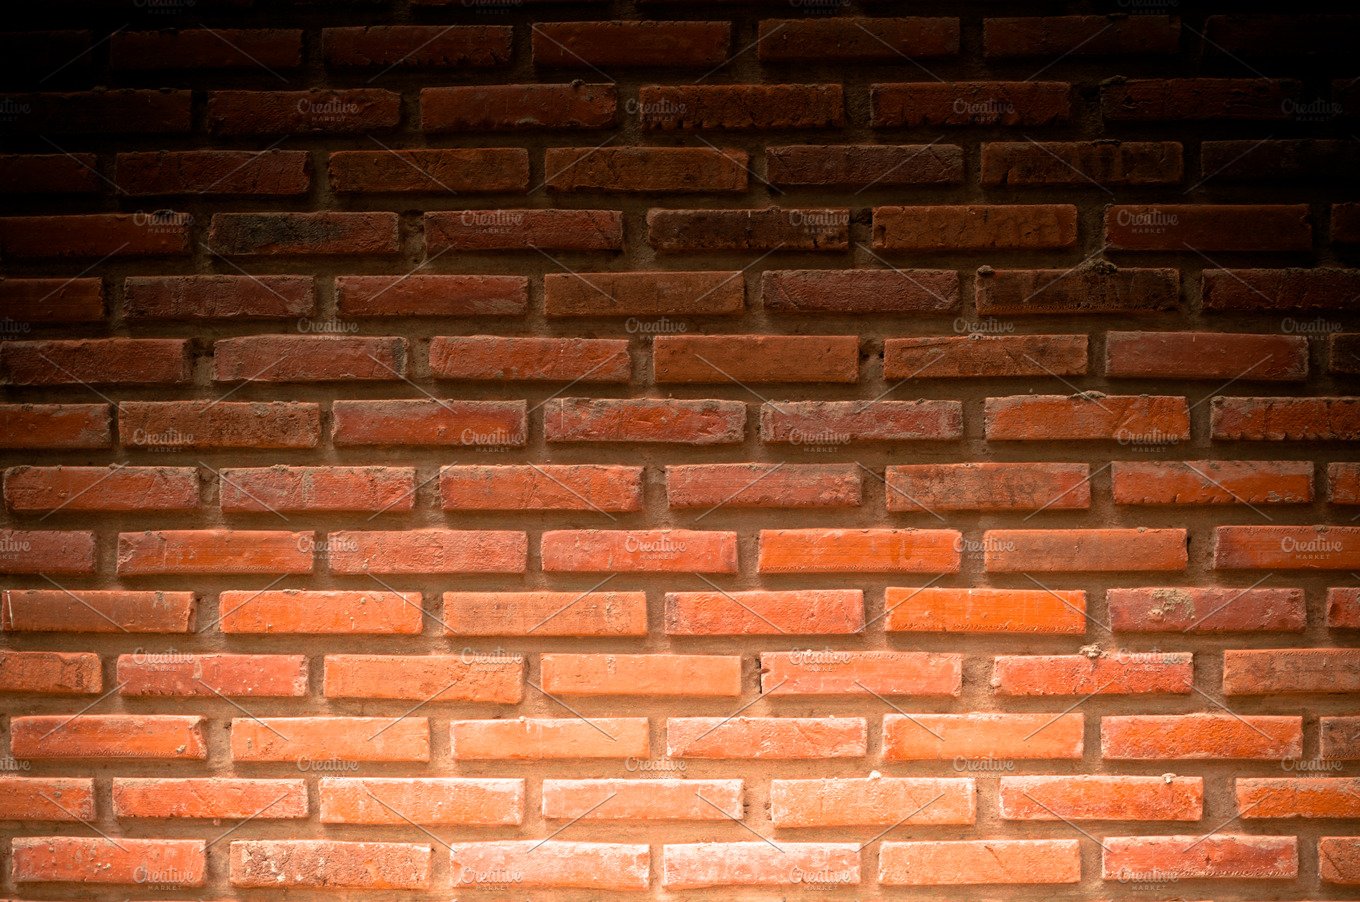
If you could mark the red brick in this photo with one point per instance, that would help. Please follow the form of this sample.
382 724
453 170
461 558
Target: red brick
979 862
442 801
639 551
1101 798
545 613
1206 610
1298 797
696 170
174 551
857 39
1209 227
49 174
96 611
550 864
141 736
280 489
838 291
1206 355
981 356
100 235
641 675
1004 103
46 551
46 799
1284 671
1286 547
524 230
1082 163
547 739
1127 419
218 297
595 45
529 359
1073 550
1248 482
209 798
51 672
864 165
99 860
1286 419
975 227
945 737
1343 608
116 488
767 229
1032 611
1345 225
1291 34
329 865
308 358
214 172
1115 673
206 48
712 486
1277 161
1194 99
481 108
833 672
1200 737
99 361
178 675
821 425
1089 288
297 611
1324 288
55 426
303 234
52 300
1339 860
859 551
755 358
642 800
416 46
763 613
451 169
576 487
1343 354
644 420
876 802
427 551
988 487
305 741
806 866
415 422
775 106
314 112
766 738
426 678
363 296
1340 738
1224 857
124 111
1064 36
643 294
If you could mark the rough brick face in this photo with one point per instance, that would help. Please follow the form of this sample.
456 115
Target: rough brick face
570 449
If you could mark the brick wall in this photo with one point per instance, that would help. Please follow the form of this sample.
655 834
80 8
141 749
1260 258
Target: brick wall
580 451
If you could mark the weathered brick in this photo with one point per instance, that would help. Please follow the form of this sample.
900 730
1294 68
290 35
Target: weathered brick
842 291
1082 163
1196 610
1249 482
766 738
315 112
1064 36
864 165
764 613
584 487
987 487
974 862
517 107
643 294
1196 99
644 420
713 486
859 551
416 46
1073 550
1003 103
1209 227
117 488
697 170
755 358
1200 737
826 425
1098 288
982 356
857 39
545 613
775 106
515 230
592 45
484 170
975 227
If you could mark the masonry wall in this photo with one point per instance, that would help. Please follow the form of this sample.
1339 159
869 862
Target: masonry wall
583 451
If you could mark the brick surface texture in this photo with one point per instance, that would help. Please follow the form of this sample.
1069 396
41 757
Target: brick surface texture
581 450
